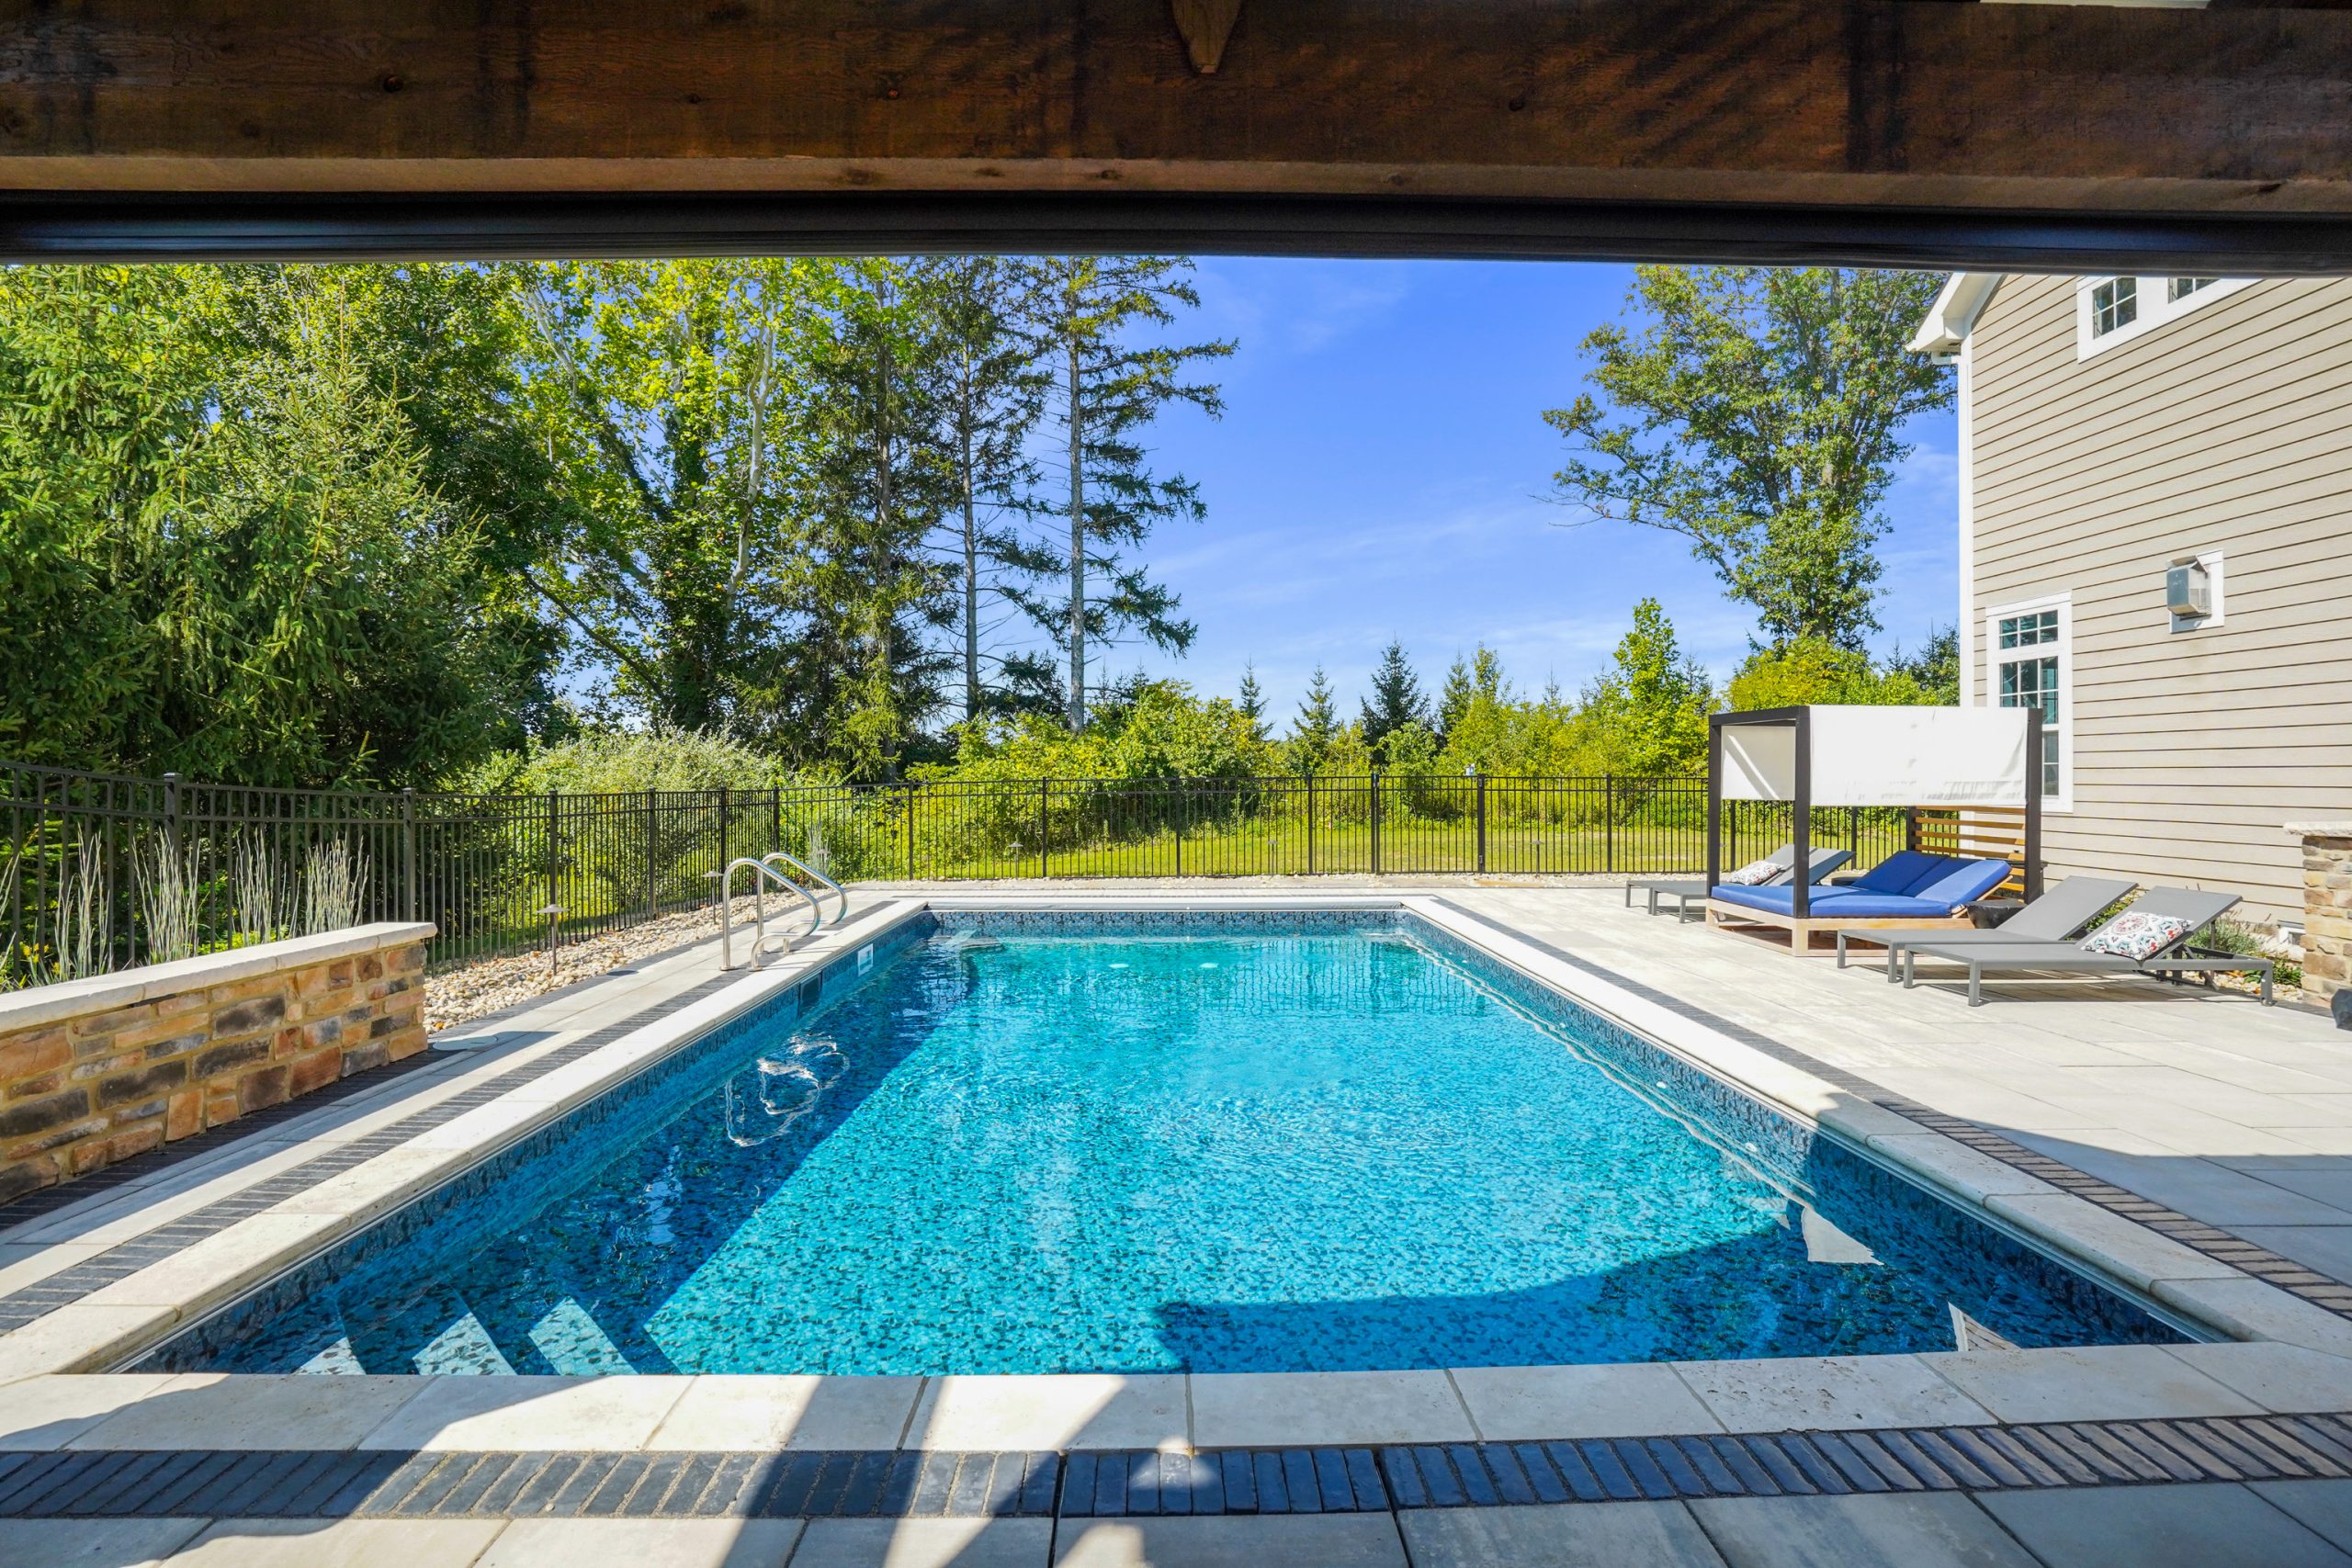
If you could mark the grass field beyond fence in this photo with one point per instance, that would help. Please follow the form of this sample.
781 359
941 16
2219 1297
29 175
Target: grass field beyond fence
99 872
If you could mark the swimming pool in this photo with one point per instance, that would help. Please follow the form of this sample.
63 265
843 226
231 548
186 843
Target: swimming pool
1040 1141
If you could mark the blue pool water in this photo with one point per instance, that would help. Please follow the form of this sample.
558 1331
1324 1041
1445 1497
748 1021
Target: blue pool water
1259 1151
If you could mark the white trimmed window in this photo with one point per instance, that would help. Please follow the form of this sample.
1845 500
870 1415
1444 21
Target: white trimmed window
2028 662
2111 311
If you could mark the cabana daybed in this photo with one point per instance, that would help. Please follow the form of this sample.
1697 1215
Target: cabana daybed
1962 776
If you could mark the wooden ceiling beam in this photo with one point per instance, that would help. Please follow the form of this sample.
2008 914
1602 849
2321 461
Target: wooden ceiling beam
1851 105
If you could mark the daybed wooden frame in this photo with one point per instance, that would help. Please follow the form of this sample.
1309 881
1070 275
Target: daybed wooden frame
1802 931
1950 832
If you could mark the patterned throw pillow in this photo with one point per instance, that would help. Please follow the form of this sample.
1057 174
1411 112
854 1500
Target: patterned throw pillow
2136 936
1755 874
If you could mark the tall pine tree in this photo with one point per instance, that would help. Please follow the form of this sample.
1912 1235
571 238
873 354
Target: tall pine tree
991 395
1098 315
1253 701
1318 724
1453 699
1395 699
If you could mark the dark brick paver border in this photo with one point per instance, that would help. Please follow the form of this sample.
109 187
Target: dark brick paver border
304 1484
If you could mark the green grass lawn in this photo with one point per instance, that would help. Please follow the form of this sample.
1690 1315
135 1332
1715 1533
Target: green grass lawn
1406 847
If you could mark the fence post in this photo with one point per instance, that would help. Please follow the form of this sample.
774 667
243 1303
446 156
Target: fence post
911 830
1483 824
552 900
172 815
1310 821
1180 827
1375 821
726 810
408 853
1044 866
1609 823
652 853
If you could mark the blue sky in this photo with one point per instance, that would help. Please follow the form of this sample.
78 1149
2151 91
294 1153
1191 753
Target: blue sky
1380 471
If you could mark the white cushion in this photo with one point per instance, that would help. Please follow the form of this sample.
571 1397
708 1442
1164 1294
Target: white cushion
1755 874
2135 936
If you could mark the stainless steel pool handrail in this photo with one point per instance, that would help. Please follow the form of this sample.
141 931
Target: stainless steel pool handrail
802 866
762 874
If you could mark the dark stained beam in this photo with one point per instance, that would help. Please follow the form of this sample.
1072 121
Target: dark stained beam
308 227
1484 126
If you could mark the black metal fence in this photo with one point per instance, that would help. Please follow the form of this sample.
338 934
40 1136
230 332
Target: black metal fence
99 872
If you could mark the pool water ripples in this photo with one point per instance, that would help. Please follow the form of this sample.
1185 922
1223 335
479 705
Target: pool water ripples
1137 1151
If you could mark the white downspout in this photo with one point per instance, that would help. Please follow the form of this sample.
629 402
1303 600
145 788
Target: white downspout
1969 695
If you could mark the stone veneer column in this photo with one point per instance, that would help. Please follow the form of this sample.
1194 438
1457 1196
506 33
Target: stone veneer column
2327 911
97 1070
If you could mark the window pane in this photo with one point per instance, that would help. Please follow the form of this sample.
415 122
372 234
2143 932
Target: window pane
2182 287
2024 631
2033 682
2115 303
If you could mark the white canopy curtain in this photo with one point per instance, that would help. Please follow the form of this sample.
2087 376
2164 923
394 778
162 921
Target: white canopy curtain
1907 757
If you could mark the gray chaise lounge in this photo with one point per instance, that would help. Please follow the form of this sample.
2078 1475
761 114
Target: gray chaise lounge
2058 915
1685 890
2179 957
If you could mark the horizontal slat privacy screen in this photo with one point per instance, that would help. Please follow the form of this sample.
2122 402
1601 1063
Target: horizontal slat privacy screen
1885 756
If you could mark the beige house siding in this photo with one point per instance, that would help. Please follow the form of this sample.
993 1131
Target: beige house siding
2228 429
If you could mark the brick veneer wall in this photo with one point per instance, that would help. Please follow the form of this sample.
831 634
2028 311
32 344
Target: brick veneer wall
97 1070
2327 904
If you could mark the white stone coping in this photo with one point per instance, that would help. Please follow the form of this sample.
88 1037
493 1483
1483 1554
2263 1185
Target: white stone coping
103 992
2319 829
53 1399
1172 1411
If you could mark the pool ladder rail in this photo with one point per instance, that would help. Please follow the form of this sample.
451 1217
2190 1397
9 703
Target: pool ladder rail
764 871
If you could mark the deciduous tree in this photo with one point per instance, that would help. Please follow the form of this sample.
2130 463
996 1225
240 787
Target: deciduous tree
1652 707
1758 414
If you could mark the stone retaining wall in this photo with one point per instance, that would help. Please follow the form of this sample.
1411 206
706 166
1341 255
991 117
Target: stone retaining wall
94 1071
2327 904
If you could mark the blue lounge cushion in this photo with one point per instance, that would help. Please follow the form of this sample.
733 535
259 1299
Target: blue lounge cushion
1964 883
1901 871
1944 883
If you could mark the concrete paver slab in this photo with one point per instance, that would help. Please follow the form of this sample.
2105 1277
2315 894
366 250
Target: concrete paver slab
2098 1382
216 1410
41 1414
643 1543
2288 1379
1239 1410
926 1543
93 1543
1536 1404
1079 1411
1611 1535
528 1413
1828 1393
1939 1530
2323 1508
1310 1540
2158 1526
730 1412
340 1543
